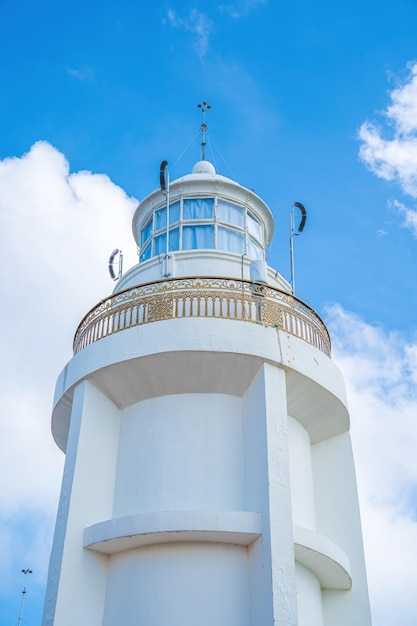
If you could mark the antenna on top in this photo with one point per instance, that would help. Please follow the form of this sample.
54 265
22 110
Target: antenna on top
204 106
293 234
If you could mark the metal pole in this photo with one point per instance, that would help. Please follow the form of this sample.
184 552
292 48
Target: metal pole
120 264
292 249
293 234
167 231
204 106
25 572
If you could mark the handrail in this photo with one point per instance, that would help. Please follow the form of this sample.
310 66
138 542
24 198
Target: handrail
225 298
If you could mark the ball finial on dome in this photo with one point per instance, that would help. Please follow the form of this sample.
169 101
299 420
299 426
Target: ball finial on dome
203 167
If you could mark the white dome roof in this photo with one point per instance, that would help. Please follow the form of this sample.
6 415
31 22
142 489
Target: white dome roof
203 167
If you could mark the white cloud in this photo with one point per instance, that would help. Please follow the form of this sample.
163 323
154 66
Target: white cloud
380 370
395 159
403 110
409 215
241 8
57 230
196 23
80 73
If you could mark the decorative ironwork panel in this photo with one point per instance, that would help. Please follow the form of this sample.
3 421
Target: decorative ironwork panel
159 308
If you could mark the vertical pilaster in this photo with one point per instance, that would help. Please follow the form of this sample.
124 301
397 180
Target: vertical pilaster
280 518
267 489
77 578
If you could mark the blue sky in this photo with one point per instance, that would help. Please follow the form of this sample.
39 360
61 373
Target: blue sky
311 102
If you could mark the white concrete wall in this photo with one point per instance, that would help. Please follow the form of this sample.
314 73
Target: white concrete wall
179 585
337 517
183 355
180 452
309 601
196 263
209 450
212 452
302 488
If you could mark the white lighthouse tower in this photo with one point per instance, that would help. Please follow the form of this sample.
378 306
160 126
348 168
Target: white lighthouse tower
209 477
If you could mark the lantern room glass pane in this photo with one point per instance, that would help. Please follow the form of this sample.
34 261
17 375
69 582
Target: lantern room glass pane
230 213
231 240
197 237
146 232
146 254
160 244
255 252
174 239
161 218
254 227
198 209
174 212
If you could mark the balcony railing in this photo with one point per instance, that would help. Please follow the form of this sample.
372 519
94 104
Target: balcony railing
202 297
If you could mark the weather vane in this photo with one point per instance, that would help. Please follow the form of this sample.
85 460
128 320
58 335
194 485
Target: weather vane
204 106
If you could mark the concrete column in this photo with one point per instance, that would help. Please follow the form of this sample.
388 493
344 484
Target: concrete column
267 489
86 498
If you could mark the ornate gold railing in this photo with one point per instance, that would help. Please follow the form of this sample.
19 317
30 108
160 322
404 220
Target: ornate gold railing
202 297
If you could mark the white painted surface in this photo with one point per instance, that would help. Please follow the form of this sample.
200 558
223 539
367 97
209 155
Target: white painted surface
323 557
282 546
257 499
87 496
179 585
337 514
272 574
214 451
181 452
134 531
198 263
206 355
310 612
302 488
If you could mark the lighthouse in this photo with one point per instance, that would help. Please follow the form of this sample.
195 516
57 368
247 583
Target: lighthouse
209 477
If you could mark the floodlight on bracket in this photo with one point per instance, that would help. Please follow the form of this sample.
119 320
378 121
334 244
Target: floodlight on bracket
113 274
294 232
